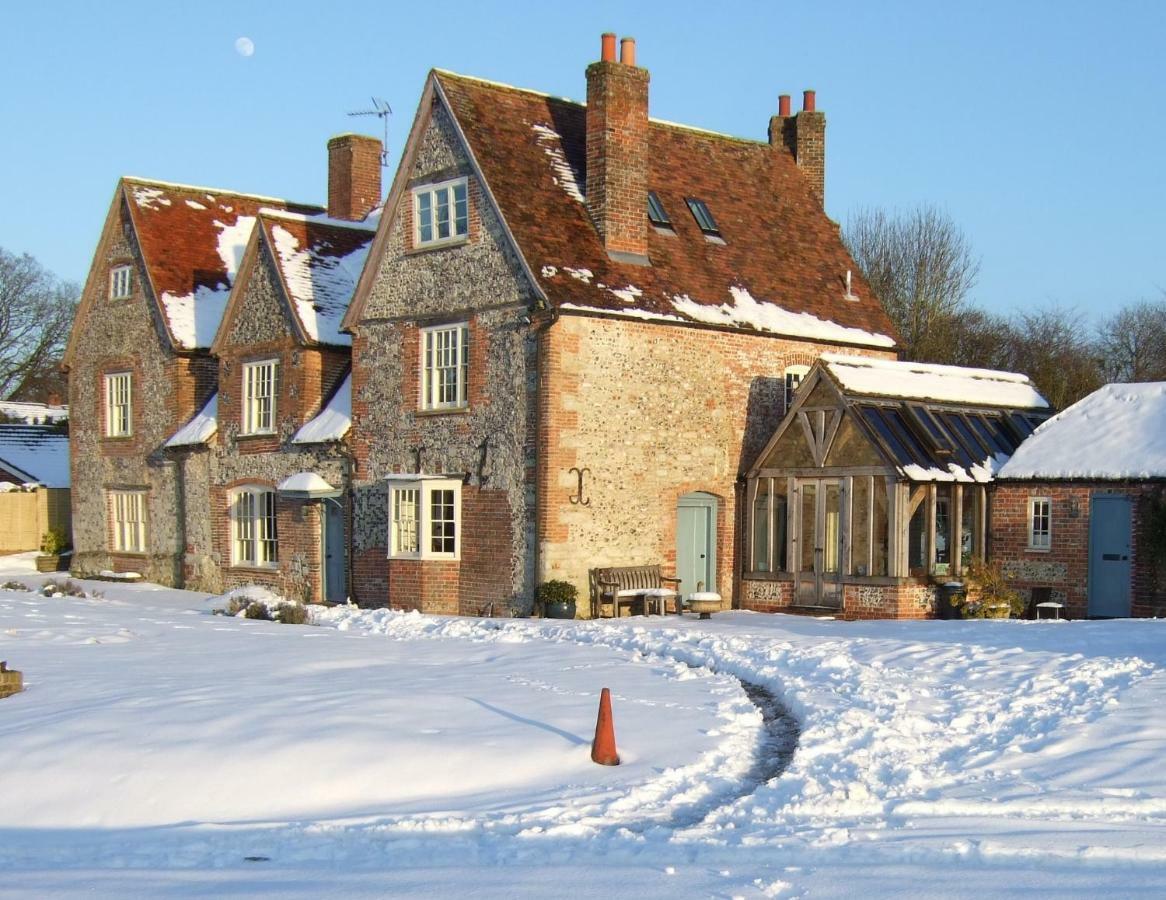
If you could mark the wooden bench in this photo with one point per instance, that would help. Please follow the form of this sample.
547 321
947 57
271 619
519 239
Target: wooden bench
628 585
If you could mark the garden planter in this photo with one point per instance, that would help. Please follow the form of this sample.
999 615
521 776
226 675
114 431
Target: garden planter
50 563
997 612
559 609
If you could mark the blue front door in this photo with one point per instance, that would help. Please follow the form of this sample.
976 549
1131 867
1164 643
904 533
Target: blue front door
696 551
335 584
1109 556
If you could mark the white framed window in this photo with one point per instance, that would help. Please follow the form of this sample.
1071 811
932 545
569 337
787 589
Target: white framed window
120 282
1040 523
127 511
254 540
259 397
793 378
425 517
118 404
445 366
441 212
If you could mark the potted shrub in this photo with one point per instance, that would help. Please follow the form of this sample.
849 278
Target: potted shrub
53 545
988 594
557 599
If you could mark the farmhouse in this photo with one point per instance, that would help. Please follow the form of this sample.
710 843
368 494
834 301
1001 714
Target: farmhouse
184 430
575 326
873 488
1079 512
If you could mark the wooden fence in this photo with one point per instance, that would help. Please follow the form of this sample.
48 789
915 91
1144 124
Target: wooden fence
26 515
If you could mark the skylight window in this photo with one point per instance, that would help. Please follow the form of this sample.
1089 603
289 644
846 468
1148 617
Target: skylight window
656 214
704 218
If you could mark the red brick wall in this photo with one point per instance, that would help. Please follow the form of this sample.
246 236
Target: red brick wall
354 176
1064 567
617 155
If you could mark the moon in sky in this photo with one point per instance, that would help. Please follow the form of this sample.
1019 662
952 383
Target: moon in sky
244 46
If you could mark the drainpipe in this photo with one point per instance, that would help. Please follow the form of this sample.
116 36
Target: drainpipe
541 323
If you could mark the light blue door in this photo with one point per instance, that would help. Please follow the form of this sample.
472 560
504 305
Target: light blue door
335 584
696 549
1109 556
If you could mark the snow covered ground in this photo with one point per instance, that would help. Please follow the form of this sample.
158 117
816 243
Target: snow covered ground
159 747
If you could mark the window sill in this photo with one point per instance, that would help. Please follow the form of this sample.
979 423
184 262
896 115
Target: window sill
117 437
1038 549
254 567
451 557
438 245
134 554
445 411
255 435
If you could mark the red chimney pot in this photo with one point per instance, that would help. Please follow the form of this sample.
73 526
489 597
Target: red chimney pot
808 101
607 46
627 51
783 105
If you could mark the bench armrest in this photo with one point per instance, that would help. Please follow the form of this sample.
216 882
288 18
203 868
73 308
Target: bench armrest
669 578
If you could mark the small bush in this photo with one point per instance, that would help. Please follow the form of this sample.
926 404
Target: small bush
293 614
988 591
556 591
14 586
53 542
66 587
256 609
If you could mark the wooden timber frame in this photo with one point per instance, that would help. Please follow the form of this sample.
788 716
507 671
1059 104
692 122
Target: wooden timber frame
881 504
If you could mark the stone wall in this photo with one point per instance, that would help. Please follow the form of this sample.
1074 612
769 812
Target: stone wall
902 600
478 281
653 412
118 336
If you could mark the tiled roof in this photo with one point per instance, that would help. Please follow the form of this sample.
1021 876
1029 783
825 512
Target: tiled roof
40 451
319 262
192 241
782 266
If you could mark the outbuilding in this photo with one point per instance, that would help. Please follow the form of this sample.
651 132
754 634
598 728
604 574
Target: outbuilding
873 489
1079 512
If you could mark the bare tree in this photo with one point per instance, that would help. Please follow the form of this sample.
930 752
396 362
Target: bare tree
1055 349
920 265
1132 343
36 313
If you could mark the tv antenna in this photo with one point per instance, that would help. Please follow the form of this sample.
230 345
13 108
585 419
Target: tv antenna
382 111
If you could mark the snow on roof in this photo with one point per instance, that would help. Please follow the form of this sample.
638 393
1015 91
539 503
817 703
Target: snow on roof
333 421
1117 432
199 429
320 262
766 316
33 413
192 242
928 381
565 176
305 483
40 451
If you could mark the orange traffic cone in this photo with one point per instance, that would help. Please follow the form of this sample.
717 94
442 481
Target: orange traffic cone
603 747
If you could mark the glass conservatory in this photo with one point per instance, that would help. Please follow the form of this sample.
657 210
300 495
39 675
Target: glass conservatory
876 477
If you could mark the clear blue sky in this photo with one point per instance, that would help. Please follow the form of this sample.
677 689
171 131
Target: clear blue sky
1038 126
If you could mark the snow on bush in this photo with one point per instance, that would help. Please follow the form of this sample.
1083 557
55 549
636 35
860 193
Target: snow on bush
254 601
67 587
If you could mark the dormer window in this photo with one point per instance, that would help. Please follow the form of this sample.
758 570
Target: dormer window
120 282
656 214
441 213
704 218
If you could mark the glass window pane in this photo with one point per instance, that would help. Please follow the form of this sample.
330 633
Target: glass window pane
808 525
461 210
761 526
880 542
943 526
860 522
917 541
441 202
969 538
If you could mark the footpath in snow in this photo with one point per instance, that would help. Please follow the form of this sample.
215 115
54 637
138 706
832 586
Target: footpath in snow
158 747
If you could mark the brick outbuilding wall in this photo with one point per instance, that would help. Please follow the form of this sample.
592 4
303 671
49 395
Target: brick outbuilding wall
1064 567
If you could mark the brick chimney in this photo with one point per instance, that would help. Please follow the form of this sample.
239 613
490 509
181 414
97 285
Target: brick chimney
804 137
617 151
354 176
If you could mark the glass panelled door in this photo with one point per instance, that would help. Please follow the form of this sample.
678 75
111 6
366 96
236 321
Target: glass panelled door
819 555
